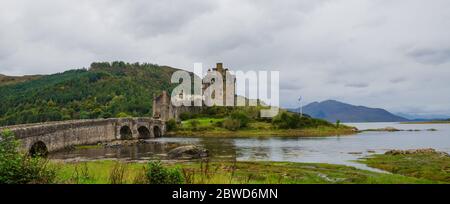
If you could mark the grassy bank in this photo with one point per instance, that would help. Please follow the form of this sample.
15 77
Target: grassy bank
307 132
208 127
415 166
105 172
429 165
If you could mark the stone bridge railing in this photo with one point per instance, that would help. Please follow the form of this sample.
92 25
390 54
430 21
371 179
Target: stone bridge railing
53 136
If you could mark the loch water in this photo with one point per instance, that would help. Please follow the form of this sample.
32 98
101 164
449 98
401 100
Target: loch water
334 150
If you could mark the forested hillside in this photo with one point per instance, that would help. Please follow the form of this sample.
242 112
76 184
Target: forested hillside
104 90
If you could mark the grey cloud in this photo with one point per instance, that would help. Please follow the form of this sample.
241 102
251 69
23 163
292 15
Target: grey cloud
149 18
290 85
357 85
327 49
431 56
397 80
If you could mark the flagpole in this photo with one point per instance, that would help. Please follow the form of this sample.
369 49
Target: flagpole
301 107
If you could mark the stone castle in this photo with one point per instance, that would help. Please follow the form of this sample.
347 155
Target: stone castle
164 110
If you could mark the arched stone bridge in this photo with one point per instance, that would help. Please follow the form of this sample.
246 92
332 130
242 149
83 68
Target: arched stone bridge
53 136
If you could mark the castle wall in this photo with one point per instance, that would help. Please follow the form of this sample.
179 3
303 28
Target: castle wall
164 110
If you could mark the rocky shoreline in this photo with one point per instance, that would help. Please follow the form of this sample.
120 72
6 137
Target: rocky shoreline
416 151
392 129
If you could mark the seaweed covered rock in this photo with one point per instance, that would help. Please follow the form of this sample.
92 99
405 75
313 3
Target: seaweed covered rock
416 151
188 152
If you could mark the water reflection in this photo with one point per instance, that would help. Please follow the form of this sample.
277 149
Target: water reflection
220 148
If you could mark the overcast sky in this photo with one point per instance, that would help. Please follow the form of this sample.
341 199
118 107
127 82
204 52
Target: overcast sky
379 53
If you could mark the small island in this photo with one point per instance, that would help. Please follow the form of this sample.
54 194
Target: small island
246 122
429 122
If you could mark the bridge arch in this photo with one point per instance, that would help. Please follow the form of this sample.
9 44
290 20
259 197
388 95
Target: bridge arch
54 136
38 149
126 133
157 131
144 133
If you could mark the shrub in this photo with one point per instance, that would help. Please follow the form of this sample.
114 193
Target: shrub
105 115
216 111
242 117
194 124
231 124
158 174
285 120
19 168
202 128
171 125
185 116
219 123
313 122
293 121
122 115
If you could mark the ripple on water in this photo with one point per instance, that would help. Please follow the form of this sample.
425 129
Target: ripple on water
334 150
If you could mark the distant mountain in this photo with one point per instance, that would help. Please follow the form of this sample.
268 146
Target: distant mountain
332 111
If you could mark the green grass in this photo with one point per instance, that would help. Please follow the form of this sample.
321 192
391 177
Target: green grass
203 123
431 166
207 127
290 173
99 172
96 172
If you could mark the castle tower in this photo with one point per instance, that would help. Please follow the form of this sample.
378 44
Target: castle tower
219 67
229 85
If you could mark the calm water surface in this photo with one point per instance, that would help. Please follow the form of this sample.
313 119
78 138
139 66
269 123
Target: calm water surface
334 150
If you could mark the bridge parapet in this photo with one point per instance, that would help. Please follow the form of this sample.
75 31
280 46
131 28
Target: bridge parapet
59 135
